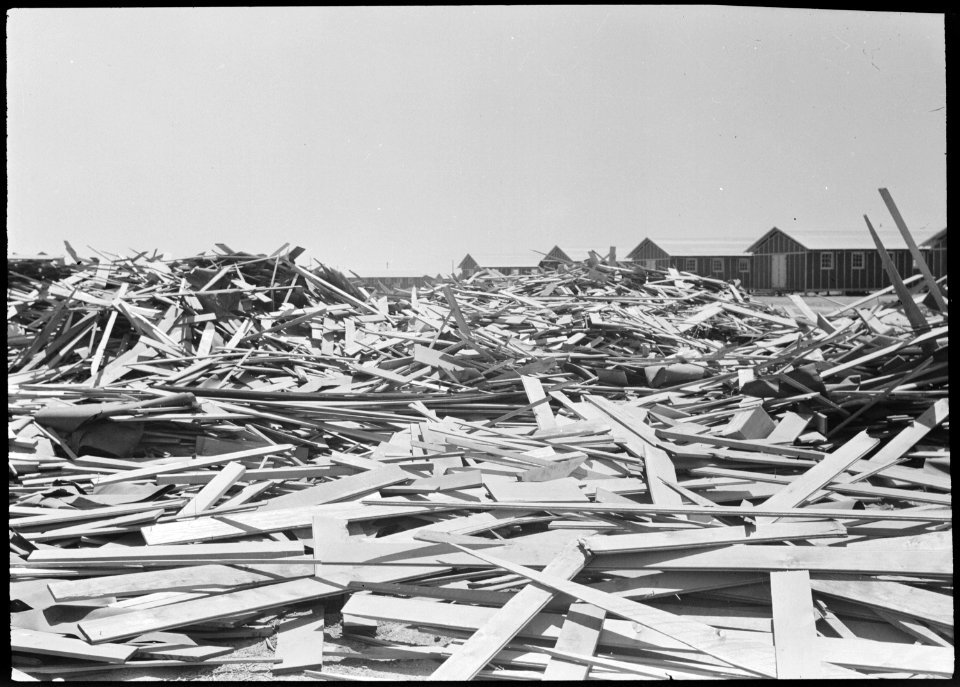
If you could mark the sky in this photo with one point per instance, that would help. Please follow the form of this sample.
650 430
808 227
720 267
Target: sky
400 139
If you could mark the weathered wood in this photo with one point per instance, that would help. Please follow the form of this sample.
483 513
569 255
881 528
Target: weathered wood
794 626
300 643
470 658
50 644
580 633
643 509
208 608
207 577
887 595
756 658
135 554
183 466
340 489
799 490
915 252
229 475
714 536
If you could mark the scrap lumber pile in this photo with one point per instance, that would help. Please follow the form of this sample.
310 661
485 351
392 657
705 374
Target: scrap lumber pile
598 472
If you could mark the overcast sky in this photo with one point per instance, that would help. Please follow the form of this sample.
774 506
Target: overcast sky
411 136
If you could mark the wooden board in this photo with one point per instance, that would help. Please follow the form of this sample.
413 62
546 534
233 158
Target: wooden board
794 626
579 633
300 643
50 644
751 656
340 489
229 475
470 658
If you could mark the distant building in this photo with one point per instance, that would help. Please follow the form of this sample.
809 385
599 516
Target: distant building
935 248
396 278
717 259
570 255
828 260
505 263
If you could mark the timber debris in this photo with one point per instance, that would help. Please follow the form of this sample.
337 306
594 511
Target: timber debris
600 471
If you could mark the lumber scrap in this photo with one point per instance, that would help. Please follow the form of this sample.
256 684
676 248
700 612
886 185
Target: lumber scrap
470 658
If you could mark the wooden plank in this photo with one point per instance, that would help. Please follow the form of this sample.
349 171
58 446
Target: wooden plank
887 351
764 447
229 475
875 295
186 579
470 658
61 515
287 473
248 493
891 596
909 306
904 515
616 634
541 407
912 627
193 463
106 526
209 528
886 656
915 252
159 553
713 536
50 644
340 489
751 656
580 633
794 626
300 643
208 608
932 417
800 489
803 307
763 557
565 490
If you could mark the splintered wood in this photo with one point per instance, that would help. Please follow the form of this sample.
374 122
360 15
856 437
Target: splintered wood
594 472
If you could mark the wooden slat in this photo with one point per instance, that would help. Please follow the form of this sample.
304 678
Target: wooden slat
579 634
470 658
50 644
915 252
229 475
300 643
751 656
794 626
191 464
713 536
799 490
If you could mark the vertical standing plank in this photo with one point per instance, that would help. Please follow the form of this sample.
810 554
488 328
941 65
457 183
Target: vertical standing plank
910 309
470 658
794 626
462 325
914 251
579 634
